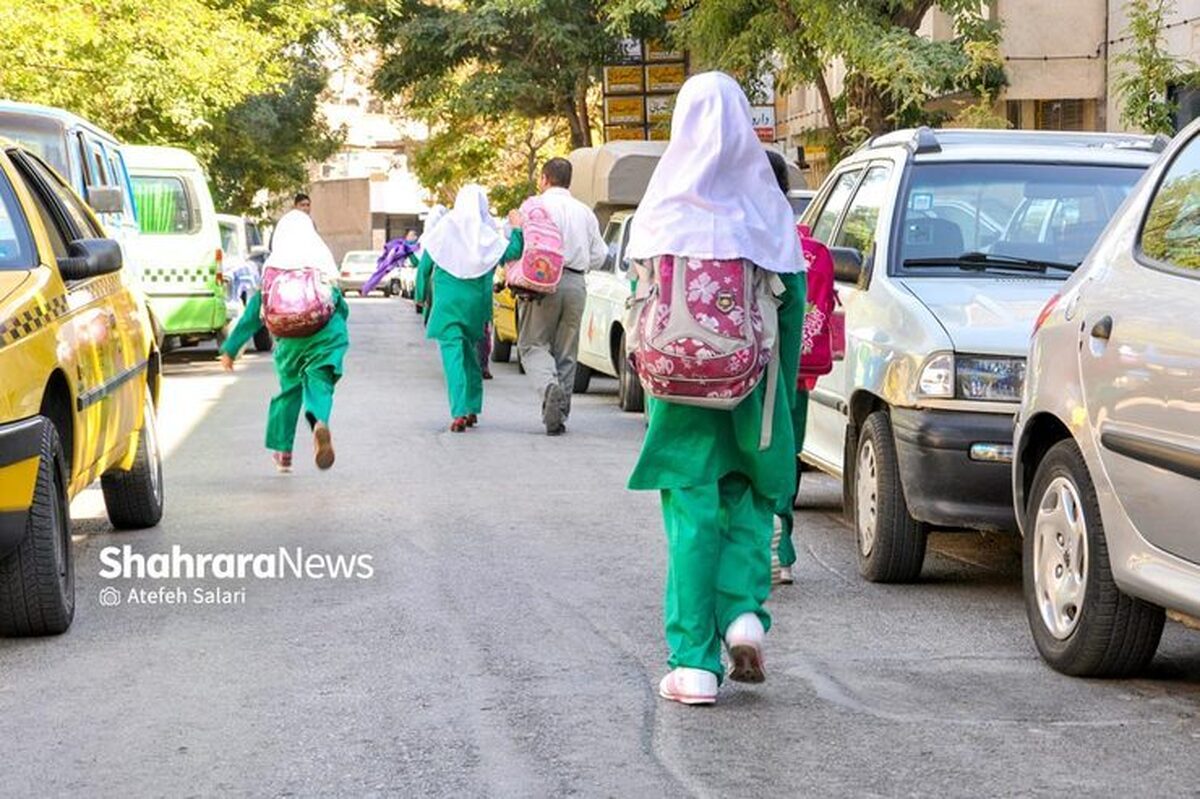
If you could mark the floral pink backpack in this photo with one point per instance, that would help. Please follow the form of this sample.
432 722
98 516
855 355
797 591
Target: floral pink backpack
819 344
705 332
540 267
296 303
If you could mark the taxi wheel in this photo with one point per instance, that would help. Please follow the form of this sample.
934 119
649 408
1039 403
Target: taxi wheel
501 350
629 388
134 499
263 341
583 379
37 581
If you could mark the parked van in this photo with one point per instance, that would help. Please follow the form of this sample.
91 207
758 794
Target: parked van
90 159
243 257
180 245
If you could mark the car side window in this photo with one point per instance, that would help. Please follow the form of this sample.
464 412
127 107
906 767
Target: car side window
54 219
862 218
1171 230
612 239
79 220
835 203
98 164
16 240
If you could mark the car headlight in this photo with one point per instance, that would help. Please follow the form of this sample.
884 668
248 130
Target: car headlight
990 378
937 376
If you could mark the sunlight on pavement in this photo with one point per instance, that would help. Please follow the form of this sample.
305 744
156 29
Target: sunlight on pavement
188 399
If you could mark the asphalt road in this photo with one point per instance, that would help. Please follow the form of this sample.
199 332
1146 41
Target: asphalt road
508 642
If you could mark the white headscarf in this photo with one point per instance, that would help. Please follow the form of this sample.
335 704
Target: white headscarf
713 194
466 242
432 218
295 244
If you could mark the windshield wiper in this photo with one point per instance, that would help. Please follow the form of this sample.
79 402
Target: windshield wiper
980 261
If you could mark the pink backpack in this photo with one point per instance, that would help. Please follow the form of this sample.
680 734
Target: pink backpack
296 303
818 349
540 266
705 334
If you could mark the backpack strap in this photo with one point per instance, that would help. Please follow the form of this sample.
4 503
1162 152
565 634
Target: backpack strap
769 301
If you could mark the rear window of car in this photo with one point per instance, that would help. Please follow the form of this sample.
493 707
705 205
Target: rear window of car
361 258
165 205
16 242
1050 212
229 242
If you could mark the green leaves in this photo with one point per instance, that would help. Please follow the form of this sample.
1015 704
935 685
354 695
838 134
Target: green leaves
1146 69
166 71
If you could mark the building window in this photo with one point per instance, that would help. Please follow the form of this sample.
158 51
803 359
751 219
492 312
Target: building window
1186 100
1012 111
1059 115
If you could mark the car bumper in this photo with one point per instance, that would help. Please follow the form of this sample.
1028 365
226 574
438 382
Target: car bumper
20 445
956 467
356 283
196 314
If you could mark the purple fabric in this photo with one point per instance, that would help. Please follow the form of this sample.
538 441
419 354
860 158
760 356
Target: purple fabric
395 253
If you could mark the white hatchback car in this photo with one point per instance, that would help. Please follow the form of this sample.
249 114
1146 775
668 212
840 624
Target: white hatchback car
946 245
1106 477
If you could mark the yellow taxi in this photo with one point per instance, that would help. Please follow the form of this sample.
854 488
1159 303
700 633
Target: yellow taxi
504 320
79 375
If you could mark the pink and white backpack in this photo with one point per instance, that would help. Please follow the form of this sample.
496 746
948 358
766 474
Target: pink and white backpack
706 333
821 320
540 266
296 303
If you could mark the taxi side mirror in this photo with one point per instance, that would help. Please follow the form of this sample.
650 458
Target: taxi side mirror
847 264
89 258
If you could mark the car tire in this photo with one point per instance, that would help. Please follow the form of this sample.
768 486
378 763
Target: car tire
630 396
396 290
889 542
134 498
1108 633
37 581
263 342
583 379
501 350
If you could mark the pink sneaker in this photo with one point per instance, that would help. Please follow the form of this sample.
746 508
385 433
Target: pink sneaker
689 686
283 462
745 641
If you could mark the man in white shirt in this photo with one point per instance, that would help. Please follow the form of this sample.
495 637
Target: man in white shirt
548 339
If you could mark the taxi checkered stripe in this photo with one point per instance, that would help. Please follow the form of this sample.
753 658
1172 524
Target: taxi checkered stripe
178 274
31 320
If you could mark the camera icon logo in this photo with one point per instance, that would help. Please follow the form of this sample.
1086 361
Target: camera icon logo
109 597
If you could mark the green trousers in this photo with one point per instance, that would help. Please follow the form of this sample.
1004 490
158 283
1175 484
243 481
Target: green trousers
464 375
311 391
718 566
786 510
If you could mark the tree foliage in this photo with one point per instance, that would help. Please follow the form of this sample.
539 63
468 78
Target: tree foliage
488 59
192 73
1147 68
891 72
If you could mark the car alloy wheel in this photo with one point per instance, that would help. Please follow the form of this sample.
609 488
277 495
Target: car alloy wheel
1060 554
867 497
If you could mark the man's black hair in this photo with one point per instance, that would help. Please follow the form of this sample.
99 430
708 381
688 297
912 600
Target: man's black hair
780 168
557 172
301 197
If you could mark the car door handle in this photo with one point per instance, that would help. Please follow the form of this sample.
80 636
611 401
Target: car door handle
1102 330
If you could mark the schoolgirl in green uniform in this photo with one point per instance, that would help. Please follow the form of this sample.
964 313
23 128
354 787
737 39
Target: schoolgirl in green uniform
308 368
713 195
460 254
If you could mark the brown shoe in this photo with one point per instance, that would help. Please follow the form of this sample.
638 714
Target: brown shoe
472 420
323 445
458 425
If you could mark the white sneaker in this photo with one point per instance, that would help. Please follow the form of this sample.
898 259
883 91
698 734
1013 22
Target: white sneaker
689 686
785 575
745 641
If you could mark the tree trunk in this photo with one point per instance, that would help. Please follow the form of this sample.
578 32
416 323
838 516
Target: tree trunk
581 136
836 136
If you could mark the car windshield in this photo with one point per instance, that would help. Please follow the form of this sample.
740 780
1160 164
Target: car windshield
360 259
41 135
1006 216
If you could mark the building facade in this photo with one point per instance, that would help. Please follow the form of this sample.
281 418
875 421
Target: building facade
1060 58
